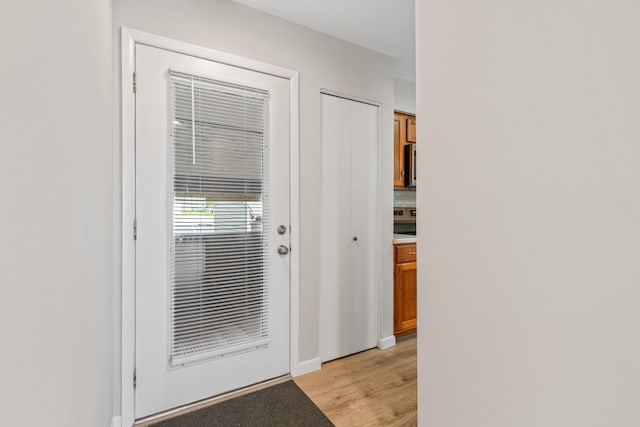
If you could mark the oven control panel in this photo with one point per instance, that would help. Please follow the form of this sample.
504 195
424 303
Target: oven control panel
404 214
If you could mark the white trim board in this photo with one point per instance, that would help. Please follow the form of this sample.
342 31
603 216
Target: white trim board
308 366
129 38
387 342
324 91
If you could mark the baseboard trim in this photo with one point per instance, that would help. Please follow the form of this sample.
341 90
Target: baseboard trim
388 342
307 366
116 421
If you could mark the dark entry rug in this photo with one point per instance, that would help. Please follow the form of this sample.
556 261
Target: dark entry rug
281 405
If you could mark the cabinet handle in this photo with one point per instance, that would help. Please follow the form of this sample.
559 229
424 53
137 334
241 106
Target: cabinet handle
402 174
412 253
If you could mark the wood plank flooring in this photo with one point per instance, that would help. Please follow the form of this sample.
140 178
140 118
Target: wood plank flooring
372 388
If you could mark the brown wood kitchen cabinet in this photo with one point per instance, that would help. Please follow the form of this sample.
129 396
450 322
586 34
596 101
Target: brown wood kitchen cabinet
411 129
404 132
404 289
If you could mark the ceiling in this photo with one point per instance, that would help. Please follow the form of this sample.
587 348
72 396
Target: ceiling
385 26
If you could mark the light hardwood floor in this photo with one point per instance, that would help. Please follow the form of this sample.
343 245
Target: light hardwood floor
372 388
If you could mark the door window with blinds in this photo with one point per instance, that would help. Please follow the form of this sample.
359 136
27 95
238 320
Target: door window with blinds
219 209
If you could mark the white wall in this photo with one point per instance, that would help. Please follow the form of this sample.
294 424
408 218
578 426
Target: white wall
323 62
530 213
404 95
56 214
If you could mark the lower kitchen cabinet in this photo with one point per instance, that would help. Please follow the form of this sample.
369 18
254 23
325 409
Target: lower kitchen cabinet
404 289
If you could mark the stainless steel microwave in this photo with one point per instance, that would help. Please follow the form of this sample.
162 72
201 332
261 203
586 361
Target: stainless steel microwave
410 165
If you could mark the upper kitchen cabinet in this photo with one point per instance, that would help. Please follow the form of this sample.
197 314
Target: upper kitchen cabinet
411 129
404 128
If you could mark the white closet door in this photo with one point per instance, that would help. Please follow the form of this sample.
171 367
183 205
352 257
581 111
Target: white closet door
348 271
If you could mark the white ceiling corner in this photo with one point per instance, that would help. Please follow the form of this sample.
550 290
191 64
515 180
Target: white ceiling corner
384 26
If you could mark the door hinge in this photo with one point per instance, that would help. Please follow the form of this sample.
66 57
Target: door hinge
135 378
135 82
135 229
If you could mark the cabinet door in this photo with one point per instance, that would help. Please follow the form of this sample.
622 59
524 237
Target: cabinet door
411 129
405 299
399 131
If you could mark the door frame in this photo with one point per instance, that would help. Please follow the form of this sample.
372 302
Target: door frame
129 38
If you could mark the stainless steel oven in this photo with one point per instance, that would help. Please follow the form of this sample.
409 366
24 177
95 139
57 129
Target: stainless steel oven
404 221
410 165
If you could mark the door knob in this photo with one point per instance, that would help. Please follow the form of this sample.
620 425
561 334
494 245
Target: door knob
355 238
282 229
283 250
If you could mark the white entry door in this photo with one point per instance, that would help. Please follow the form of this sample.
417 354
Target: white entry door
348 267
212 264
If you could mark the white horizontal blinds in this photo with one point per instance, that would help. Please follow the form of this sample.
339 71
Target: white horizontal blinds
219 269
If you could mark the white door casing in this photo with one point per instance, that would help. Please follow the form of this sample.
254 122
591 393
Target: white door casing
161 385
348 268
